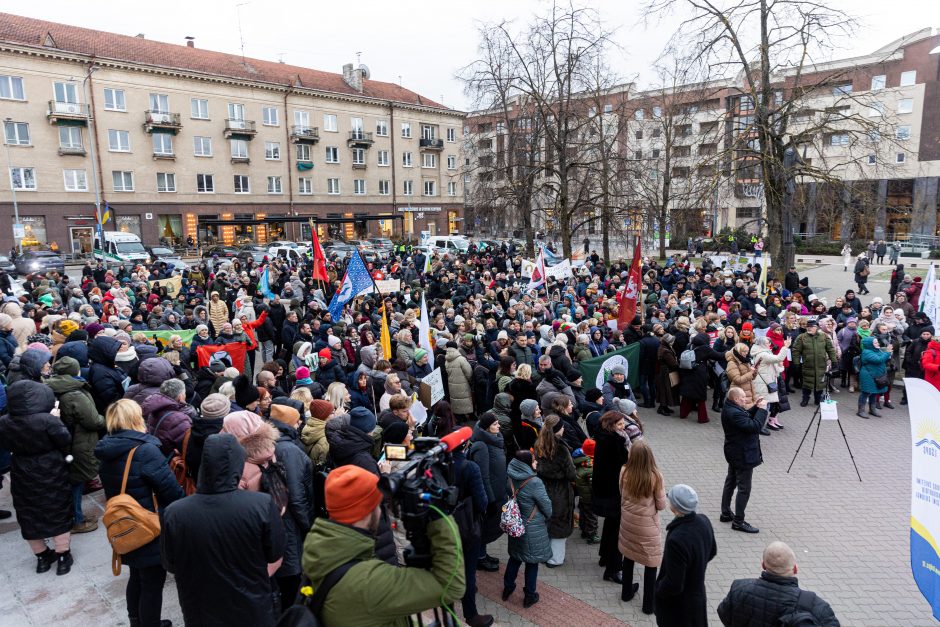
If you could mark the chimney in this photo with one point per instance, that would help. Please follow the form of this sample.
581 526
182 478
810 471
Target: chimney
140 36
190 42
352 77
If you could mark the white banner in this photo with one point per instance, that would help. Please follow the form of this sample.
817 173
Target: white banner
930 303
386 286
560 271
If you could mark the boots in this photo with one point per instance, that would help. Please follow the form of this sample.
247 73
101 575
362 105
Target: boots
65 563
45 560
873 411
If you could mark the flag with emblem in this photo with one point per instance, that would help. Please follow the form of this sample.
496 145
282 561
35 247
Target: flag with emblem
631 293
355 282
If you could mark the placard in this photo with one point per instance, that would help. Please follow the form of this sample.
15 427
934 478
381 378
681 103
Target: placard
432 389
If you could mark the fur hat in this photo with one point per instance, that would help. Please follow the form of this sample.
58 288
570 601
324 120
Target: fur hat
245 392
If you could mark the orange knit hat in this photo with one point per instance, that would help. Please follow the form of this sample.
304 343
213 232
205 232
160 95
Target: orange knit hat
351 493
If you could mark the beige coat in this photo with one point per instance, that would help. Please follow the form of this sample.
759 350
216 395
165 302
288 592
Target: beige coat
218 314
640 530
459 382
740 375
769 368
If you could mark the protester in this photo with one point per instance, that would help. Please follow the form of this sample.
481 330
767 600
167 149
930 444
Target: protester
742 425
534 546
557 472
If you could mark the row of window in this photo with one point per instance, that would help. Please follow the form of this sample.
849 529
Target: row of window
76 180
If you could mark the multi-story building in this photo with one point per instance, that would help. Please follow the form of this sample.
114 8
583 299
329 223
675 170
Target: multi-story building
171 137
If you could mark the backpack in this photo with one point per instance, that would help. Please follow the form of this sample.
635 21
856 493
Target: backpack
801 615
510 520
179 468
127 523
687 359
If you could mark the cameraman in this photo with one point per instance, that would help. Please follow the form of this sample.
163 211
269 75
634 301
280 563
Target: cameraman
371 591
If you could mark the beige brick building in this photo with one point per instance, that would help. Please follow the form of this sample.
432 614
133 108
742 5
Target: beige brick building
178 136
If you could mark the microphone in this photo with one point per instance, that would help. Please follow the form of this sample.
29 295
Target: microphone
451 441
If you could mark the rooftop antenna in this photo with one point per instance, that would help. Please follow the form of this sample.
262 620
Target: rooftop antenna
399 80
241 37
280 57
358 58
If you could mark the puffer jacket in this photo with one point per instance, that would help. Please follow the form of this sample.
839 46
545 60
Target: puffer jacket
762 601
874 362
107 381
78 414
488 451
534 546
930 363
640 537
459 380
313 435
298 516
151 373
741 375
558 476
769 368
168 420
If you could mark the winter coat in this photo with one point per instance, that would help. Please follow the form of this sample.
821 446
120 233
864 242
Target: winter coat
149 476
488 451
930 362
106 380
39 478
812 351
860 265
459 378
168 420
742 434
874 365
680 584
741 375
77 412
761 602
151 373
769 368
329 373
534 546
202 428
641 538
298 516
611 390
219 542
218 314
666 394
313 436
610 454
406 352
558 475
8 347
693 384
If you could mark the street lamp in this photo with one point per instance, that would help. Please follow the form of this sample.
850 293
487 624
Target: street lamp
17 227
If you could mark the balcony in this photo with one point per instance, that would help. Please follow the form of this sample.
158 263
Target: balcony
428 143
164 156
304 134
72 150
359 166
162 121
359 139
68 113
244 129
245 160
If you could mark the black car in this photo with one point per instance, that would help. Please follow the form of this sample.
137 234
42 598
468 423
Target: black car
41 261
223 252
252 252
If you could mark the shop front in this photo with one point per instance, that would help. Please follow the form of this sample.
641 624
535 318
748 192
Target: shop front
170 229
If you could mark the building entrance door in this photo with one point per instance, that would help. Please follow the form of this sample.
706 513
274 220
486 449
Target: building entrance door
81 237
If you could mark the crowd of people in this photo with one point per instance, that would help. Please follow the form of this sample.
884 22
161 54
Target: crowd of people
264 463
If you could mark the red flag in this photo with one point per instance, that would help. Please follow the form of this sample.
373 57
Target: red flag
631 292
319 259
233 353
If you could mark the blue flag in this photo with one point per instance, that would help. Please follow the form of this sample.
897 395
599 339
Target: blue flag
264 285
356 281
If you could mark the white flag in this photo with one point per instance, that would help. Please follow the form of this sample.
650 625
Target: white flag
559 271
424 332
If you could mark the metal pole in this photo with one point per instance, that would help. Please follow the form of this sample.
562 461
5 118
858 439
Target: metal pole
91 148
16 208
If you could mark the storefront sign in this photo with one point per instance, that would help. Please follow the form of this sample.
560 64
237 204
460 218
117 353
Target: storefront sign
419 209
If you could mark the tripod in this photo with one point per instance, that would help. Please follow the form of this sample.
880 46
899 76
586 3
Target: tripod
817 418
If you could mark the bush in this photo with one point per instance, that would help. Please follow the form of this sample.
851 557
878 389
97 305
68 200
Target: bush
820 245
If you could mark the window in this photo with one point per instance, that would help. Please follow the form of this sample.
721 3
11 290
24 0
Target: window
747 103
842 89
163 144
66 92
657 112
70 137
123 180
408 188
274 185
329 122
406 159
900 157
406 129
239 148
118 141
639 134
638 155
500 127
905 105
608 108
305 185
451 162
17 133
302 120
358 156
872 159
452 188
75 180
303 152
876 109
639 114
428 160
356 125
23 179
839 139
908 79
656 133
332 154
11 88
381 128
878 82
430 188
205 184
114 99
199 109
269 116
332 186
236 111
242 184
383 188
654 154
272 151
466 131
382 157
166 182
359 187
159 103
202 146
903 132
452 134
427 132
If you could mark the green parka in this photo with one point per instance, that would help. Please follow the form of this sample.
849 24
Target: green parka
313 435
813 351
77 412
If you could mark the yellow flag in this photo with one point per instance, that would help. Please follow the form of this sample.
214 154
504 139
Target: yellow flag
762 281
386 338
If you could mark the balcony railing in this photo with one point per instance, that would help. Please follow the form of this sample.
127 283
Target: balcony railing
359 166
307 134
239 128
431 144
360 138
72 150
67 112
162 120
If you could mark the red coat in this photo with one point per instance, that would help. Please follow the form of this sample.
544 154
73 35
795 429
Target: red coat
930 362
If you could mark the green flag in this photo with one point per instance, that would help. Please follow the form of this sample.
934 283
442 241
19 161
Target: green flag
164 336
596 371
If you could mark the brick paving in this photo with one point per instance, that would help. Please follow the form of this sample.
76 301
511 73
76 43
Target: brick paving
851 538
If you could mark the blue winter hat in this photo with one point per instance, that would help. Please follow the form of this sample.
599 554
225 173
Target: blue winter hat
362 419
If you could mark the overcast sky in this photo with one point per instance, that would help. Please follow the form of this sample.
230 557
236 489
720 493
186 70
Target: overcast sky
423 43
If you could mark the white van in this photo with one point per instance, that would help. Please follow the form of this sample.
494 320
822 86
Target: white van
120 248
448 244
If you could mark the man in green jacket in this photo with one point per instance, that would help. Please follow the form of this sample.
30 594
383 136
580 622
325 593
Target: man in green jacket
813 349
373 593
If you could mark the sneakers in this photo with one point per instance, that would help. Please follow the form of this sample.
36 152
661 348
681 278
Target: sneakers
530 600
90 524
592 538
481 620
744 526
726 518
45 560
65 562
861 414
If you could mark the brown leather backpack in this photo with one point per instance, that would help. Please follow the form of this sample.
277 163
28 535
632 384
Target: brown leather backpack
128 524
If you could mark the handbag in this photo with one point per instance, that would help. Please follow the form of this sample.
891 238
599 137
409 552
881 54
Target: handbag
180 469
882 381
674 378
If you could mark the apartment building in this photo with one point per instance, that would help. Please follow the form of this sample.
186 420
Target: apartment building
883 175
174 139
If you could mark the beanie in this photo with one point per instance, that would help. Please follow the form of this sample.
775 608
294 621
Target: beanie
352 493
321 409
618 369
302 373
5 321
285 414
215 406
528 407
593 395
362 419
683 498
245 392
395 433
419 353
624 405
67 326
487 420
325 353
588 447
93 329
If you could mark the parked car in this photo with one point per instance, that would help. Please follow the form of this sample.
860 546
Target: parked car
220 251
382 245
6 265
290 253
338 250
41 261
170 256
254 252
300 248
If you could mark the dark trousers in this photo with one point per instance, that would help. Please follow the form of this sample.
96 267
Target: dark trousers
289 586
817 394
512 571
609 551
471 548
587 519
739 478
649 584
648 388
144 595
686 406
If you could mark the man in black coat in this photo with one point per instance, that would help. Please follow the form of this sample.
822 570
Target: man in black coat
742 429
219 542
690 545
791 280
762 602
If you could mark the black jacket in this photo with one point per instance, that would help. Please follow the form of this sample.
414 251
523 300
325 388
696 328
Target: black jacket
299 514
202 428
760 602
610 454
693 384
742 435
149 475
107 381
680 585
219 542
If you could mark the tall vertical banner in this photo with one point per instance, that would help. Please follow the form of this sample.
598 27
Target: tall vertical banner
922 402
929 297
631 293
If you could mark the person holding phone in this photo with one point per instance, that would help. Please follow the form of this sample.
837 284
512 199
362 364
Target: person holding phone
742 425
